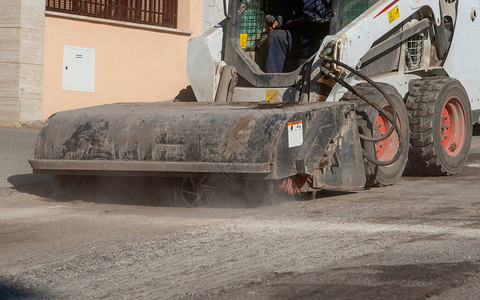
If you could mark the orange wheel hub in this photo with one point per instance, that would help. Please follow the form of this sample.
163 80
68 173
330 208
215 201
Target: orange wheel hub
453 127
387 148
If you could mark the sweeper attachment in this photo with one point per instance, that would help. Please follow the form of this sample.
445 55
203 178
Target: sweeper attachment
239 140
373 84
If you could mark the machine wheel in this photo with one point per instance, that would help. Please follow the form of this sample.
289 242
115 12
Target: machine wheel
373 124
441 125
198 191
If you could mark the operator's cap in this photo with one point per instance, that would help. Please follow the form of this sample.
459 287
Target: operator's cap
269 19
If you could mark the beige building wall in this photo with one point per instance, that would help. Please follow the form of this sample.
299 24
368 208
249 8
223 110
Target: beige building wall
21 61
132 62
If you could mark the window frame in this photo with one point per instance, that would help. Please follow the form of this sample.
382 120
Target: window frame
162 13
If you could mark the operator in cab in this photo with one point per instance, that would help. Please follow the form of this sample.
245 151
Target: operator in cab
294 34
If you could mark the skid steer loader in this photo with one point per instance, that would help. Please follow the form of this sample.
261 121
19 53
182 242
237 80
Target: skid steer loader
390 81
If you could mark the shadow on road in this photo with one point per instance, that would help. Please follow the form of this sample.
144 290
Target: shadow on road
407 281
9 290
114 190
471 168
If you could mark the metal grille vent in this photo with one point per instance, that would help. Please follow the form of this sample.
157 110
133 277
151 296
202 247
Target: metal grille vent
414 56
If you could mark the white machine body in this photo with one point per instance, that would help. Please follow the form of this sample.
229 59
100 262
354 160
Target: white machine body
204 63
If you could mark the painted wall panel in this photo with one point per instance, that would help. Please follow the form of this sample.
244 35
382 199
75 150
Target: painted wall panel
78 69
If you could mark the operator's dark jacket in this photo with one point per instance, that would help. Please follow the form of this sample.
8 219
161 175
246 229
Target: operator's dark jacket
305 22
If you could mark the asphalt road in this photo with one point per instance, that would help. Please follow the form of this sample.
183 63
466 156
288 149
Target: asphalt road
124 239
16 146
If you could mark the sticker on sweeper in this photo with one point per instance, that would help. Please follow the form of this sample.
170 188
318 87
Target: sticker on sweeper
295 134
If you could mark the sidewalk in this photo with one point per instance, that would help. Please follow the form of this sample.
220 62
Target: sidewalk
16 147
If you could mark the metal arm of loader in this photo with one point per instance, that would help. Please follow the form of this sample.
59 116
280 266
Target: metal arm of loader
357 38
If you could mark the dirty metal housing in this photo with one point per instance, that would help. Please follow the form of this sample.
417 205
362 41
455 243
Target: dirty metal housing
176 139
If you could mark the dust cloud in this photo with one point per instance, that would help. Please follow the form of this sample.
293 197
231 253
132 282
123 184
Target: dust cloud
227 192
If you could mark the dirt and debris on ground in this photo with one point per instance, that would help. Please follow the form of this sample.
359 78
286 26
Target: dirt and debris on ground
119 239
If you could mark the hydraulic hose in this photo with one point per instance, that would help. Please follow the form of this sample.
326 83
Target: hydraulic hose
375 105
391 118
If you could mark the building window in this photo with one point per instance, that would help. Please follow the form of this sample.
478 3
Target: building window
152 12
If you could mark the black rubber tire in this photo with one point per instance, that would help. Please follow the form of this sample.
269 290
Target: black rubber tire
425 104
186 95
366 119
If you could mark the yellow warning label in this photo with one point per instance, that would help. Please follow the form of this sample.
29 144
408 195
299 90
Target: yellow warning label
272 96
393 14
243 40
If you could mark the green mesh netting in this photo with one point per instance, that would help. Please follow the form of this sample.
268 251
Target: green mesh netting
252 21
354 8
